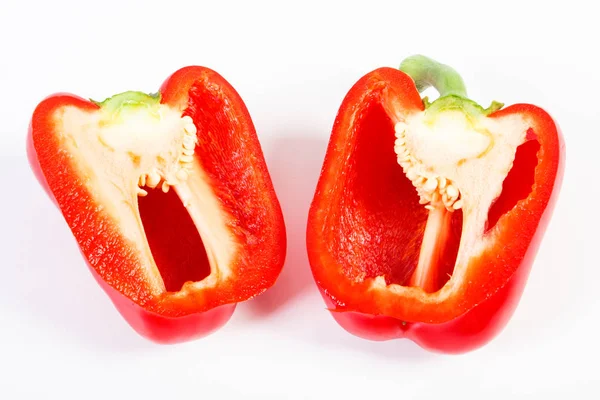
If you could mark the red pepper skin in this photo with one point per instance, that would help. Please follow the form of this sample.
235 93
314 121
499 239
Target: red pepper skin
167 320
465 333
470 319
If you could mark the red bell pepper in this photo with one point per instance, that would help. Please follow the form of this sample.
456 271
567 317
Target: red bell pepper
428 215
169 198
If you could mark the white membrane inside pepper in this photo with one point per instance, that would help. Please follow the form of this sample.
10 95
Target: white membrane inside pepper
464 160
153 148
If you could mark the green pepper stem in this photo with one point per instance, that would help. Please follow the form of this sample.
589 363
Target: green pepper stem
427 72
115 106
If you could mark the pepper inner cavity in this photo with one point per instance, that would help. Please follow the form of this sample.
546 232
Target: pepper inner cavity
178 250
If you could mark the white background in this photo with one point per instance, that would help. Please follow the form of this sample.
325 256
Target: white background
292 62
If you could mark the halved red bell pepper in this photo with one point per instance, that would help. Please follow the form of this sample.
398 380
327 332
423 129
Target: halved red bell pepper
169 198
427 216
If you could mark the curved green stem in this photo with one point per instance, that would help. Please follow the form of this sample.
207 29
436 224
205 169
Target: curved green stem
427 72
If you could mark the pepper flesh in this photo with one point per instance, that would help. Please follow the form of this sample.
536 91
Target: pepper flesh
221 239
387 266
